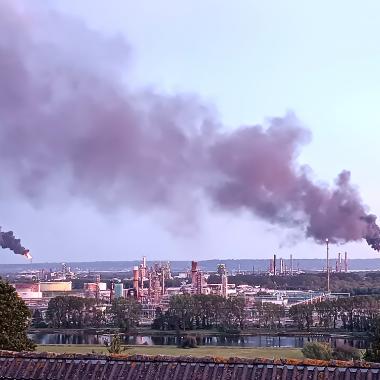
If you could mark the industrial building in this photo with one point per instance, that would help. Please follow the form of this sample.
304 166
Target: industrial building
148 285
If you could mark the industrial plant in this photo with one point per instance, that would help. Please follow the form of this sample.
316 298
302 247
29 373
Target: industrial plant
153 285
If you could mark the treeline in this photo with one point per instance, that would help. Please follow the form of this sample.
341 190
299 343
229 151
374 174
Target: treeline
78 312
187 312
352 314
354 283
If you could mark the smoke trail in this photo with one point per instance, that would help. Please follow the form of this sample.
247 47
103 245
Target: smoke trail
8 240
67 117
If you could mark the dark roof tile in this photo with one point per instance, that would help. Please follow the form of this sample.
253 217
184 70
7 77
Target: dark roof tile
28 365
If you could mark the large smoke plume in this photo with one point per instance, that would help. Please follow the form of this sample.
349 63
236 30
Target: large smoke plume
8 240
68 116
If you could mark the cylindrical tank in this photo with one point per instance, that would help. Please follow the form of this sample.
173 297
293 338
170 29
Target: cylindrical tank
119 290
92 286
56 286
136 278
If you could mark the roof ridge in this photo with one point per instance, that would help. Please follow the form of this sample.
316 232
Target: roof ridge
189 359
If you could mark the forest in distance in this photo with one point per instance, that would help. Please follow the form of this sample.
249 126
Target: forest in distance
232 265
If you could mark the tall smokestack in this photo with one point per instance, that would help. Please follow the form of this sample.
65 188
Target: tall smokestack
136 280
340 261
163 284
271 266
345 262
291 264
327 266
274 264
143 270
194 271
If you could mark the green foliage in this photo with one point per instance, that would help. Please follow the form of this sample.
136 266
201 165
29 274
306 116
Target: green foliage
353 313
115 346
200 311
38 320
73 312
14 320
302 315
317 350
189 342
372 354
126 313
269 315
346 352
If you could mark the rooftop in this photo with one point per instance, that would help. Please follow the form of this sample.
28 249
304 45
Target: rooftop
27 365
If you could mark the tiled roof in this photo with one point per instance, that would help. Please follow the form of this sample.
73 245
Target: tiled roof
29 365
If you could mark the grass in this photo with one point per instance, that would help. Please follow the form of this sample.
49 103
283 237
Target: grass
226 352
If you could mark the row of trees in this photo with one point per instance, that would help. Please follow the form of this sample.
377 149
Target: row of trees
352 314
78 312
186 312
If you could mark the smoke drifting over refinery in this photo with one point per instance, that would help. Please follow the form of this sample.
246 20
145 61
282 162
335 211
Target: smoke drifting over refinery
68 115
8 240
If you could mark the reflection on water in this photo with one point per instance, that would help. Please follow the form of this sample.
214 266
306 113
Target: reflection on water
220 340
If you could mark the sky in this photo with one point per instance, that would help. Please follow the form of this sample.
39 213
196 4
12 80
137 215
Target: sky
250 60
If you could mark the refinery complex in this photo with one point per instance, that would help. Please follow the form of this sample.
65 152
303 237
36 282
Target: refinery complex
153 285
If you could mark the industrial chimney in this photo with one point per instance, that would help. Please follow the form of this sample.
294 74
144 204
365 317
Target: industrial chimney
136 280
194 271
345 262
291 264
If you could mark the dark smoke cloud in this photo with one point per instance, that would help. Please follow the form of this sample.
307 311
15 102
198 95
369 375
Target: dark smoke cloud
8 240
67 114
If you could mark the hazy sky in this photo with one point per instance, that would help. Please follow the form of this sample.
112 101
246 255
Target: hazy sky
251 60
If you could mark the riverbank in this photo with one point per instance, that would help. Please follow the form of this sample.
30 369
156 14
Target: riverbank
225 352
204 333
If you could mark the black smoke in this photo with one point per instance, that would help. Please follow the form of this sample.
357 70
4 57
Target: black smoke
8 240
68 116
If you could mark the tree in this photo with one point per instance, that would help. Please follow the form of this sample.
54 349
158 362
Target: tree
346 352
126 312
14 320
317 350
302 315
233 315
372 354
115 346
159 322
73 312
182 311
189 342
269 314
38 320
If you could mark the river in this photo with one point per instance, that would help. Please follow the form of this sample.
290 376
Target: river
216 340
